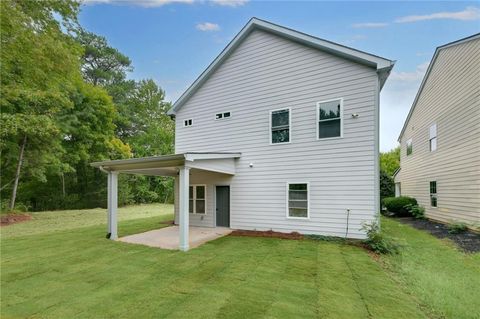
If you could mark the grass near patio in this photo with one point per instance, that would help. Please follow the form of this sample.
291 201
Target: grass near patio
77 273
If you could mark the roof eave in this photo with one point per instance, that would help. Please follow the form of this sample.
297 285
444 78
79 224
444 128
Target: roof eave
379 63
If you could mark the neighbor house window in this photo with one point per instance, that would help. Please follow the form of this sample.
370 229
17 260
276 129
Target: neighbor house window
224 115
433 194
188 122
433 137
280 126
329 119
409 147
297 200
197 199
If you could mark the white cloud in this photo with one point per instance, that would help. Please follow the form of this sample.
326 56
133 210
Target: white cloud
230 3
208 26
140 3
470 13
370 25
410 76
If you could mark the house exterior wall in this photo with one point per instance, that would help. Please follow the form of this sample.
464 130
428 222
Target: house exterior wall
451 99
267 72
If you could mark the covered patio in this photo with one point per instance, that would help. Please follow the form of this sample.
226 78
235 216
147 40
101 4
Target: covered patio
177 165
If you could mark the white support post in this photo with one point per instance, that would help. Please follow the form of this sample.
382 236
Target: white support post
184 184
112 204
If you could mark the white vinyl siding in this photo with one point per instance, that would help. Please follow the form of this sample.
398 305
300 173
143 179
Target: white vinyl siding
265 73
450 97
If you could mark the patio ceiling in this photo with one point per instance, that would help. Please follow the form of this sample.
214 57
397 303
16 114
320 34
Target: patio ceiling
167 165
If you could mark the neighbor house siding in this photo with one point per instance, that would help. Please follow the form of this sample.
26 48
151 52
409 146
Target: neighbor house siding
451 99
267 72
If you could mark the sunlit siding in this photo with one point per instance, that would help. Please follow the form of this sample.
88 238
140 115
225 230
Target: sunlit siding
268 72
451 99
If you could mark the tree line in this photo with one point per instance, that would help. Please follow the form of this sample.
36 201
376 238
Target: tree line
66 101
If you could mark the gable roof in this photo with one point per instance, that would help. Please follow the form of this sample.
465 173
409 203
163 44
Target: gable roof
429 69
382 65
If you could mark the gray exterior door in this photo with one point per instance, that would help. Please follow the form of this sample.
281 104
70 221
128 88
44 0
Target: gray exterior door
223 206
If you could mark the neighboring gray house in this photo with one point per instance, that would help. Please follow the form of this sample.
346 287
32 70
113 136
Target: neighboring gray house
280 132
440 140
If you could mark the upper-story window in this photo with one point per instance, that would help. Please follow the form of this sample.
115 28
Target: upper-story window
188 122
433 137
409 147
224 115
329 119
280 126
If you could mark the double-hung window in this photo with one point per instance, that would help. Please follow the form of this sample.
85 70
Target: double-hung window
433 194
297 200
433 137
197 199
329 119
409 147
280 126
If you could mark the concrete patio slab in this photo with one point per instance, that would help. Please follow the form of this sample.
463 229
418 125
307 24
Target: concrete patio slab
169 237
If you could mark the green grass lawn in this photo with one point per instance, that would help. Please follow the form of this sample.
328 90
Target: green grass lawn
76 273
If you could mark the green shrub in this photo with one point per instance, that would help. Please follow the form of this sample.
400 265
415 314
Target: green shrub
377 241
457 228
397 205
416 211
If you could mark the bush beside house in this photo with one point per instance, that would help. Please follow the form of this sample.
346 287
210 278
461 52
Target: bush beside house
399 205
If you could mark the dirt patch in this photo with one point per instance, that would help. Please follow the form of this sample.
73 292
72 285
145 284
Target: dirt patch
14 219
467 241
168 222
268 233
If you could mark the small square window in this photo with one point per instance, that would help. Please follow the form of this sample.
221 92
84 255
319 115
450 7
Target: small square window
226 114
188 122
219 116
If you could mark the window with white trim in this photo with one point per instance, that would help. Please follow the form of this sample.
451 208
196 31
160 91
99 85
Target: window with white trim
329 119
409 147
433 137
188 122
224 115
197 199
280 126
297 199
433 194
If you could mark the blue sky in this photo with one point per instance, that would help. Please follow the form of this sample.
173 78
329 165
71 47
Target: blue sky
173 41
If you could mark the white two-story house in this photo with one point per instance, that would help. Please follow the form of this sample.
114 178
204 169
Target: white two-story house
280 132
440 140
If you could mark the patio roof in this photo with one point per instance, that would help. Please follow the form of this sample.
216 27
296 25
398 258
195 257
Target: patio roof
167 165
178 165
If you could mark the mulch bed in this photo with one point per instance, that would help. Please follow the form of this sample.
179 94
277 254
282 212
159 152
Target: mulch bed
14 219
168 222
468 241
268 233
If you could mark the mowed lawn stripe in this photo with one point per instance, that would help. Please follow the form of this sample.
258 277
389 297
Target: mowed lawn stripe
79 274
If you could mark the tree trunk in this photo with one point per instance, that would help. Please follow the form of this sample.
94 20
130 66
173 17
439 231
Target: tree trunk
17 173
